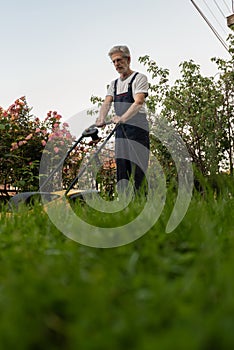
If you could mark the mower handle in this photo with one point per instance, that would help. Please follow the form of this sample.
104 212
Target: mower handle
95 126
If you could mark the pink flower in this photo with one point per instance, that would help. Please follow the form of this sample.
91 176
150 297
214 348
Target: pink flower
65 125
57 134
37 130
43 142
14 145
28 137
51 136
56 125
56 149
68 135
19 103
48 115
21 143
12 107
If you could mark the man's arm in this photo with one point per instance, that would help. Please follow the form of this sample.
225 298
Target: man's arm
139 100
105 107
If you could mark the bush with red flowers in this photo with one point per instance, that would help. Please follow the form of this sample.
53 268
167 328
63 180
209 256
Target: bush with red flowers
23 139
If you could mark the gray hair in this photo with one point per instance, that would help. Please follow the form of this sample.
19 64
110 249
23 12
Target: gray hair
120 48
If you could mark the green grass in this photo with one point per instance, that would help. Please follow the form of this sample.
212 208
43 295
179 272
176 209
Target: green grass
163 291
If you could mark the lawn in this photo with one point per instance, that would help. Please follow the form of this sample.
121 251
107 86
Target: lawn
162 291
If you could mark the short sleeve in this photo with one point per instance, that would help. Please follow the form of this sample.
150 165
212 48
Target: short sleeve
110 89
141 85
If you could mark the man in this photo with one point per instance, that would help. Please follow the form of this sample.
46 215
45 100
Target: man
128 93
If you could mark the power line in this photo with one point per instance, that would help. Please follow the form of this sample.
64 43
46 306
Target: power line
226 5
221 11
212 13
210 25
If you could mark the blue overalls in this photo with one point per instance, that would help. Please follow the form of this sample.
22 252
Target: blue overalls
132 140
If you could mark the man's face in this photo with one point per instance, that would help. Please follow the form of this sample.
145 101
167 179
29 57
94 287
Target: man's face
121 63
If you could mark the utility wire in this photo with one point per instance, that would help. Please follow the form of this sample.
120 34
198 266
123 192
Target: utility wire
221 11
210 25
226 5
212 13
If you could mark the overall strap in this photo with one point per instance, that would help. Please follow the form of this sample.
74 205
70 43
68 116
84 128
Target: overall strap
133 78
115 87
129 85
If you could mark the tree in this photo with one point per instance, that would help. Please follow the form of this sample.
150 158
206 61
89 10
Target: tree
225 84
199 108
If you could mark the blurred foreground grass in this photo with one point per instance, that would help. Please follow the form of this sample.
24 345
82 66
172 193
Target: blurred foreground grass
163 291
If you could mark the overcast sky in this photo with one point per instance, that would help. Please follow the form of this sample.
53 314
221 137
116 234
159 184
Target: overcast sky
55 51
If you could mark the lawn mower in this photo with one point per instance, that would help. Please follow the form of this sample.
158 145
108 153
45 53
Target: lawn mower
70 193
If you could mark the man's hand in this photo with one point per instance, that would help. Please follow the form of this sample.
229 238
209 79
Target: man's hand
116 119
100 122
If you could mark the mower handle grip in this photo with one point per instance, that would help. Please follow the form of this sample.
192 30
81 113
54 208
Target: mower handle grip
95 126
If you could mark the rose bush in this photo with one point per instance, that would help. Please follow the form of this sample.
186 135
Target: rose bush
23 139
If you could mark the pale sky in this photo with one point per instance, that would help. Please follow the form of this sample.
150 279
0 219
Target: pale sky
55 51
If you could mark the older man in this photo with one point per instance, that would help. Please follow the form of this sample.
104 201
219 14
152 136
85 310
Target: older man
128 92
